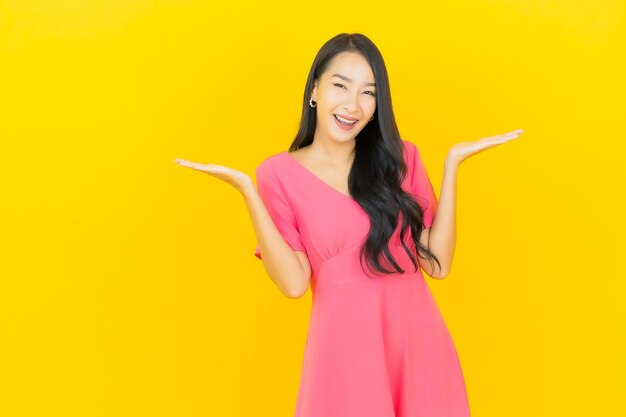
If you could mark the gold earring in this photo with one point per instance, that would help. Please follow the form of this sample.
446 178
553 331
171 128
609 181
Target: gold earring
371 118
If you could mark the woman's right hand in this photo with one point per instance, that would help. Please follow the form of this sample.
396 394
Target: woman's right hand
463 150
237 179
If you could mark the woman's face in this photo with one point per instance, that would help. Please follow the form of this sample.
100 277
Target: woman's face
346 89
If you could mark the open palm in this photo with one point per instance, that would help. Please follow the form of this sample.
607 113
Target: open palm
463 150
237 179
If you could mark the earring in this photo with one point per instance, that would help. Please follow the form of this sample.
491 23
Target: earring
311 102
371 118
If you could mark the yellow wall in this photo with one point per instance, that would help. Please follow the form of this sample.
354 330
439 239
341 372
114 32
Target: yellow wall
128 283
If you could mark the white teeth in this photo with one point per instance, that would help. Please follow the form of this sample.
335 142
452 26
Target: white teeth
341 119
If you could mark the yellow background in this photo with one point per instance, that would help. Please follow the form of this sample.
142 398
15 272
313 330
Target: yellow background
128 283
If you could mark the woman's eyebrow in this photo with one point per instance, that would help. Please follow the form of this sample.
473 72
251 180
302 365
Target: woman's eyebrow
343 77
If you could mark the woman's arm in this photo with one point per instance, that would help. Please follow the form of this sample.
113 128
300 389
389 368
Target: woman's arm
289 269
440 238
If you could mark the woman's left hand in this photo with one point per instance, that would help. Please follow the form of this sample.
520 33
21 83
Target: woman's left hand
461 151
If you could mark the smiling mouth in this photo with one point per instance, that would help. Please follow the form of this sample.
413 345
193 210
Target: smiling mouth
344 121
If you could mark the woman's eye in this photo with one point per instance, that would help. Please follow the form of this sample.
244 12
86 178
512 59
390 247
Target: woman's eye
341 85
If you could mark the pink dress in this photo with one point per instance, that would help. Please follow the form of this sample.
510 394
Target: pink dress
377 345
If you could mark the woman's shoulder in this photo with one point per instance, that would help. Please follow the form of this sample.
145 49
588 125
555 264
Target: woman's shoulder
271 166
270 161
408 145
410 151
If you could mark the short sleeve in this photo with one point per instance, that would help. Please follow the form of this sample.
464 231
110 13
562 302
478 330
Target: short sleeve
421 187
272 195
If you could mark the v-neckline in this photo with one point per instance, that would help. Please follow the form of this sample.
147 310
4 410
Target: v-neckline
316 178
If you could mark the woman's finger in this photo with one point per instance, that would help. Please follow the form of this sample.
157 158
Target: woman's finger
211 168
498 139
464 150
236 178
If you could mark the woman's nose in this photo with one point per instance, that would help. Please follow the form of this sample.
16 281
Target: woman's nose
352 102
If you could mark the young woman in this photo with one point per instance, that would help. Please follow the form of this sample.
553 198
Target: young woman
350 211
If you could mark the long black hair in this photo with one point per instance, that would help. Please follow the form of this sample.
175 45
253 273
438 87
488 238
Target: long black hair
379 168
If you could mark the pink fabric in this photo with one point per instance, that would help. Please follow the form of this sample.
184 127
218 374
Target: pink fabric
377 345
